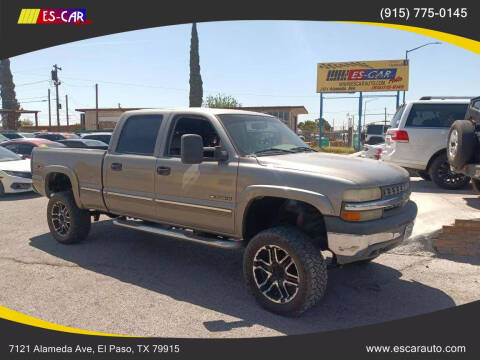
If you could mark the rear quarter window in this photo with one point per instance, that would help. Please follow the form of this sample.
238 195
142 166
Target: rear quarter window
139 134
435 115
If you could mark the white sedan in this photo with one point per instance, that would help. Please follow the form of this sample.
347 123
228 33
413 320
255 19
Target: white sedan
15 173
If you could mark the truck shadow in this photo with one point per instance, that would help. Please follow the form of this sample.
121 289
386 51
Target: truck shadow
212 278
19 196
422 186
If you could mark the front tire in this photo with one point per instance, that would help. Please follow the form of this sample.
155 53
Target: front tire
68 223
444 177
284 270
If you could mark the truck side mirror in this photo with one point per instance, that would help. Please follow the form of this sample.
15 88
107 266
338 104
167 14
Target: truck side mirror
220 154
191 149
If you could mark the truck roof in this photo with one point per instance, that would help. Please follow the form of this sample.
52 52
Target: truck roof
194 110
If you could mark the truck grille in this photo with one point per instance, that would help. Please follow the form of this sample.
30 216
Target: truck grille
394 190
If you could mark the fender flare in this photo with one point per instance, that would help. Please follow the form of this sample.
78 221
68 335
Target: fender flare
49 170
320 201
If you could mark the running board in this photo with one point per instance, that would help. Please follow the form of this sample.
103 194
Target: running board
178 234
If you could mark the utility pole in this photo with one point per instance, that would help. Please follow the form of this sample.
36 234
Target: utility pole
56 82
66 107
385 117
96 106
49 112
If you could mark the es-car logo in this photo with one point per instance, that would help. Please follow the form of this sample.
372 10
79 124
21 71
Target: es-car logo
53 16
361 74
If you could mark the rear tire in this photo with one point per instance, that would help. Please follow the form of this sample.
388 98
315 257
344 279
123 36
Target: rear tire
67 222
284 270
2 190
445 178
461 143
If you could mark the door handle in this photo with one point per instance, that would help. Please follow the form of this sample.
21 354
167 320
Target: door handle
116 166
163 170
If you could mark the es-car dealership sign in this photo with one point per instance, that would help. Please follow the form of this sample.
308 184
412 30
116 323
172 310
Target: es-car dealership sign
388 75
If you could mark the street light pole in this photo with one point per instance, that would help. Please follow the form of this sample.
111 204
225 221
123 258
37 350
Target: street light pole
418 47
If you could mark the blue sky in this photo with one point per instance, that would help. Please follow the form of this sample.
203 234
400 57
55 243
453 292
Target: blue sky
261 63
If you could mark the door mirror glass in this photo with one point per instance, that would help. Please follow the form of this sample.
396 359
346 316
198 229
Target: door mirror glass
191 149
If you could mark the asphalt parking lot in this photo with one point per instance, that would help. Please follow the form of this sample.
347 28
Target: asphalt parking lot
127 282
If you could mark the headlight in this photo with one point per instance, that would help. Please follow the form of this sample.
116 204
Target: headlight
360 195
23 174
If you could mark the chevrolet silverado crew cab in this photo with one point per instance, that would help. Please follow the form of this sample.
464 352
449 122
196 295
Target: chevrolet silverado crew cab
417 139
463 150
232 179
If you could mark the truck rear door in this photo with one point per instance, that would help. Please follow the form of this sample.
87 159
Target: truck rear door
129 167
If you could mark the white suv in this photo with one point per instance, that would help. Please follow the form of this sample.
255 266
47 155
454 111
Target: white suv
417 139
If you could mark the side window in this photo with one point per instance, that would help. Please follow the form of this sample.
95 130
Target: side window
196 126
12 147
25 149
435 115
476 105
139 134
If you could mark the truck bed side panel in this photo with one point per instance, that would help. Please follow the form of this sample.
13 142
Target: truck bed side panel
82 166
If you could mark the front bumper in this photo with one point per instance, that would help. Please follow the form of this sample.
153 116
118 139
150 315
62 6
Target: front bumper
352 242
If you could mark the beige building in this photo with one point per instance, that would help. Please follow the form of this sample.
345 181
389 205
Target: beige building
108 117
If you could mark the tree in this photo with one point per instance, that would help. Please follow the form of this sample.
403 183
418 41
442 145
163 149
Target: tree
9 99
221 101
196 85
310 127
25 122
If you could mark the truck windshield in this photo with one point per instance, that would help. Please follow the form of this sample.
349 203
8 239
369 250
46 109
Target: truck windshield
375 129
261 135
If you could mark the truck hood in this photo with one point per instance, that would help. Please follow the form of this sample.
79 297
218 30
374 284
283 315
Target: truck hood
16 165
357 170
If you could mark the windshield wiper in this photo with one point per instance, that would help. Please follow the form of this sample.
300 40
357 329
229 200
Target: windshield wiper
301 148
273 150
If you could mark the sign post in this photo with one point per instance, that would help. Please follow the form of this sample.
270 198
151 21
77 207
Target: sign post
360 104
320 121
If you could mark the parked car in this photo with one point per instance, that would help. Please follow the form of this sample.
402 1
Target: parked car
24 146
232 179
54 136
375 133
84 143
417 139
101 136
463 144
15 173
11 134
372 151
3 138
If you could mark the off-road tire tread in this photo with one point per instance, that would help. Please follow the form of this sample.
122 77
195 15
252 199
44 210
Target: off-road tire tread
314 264
80 219
436 163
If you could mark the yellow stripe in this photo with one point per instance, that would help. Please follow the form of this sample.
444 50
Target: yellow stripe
12 315
28 15
32 17
22 16
460 41
37 11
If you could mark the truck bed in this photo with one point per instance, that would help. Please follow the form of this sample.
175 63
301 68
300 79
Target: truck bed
82 166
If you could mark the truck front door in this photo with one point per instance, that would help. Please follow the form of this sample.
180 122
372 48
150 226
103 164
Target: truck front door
201 196
129 168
